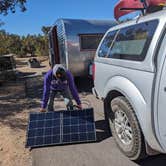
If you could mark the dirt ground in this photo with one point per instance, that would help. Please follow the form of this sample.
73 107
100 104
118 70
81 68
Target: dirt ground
20 97
17 99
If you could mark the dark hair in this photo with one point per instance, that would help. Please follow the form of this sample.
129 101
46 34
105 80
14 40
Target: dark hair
60 71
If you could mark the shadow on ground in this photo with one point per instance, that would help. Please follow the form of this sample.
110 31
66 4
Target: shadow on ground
158 160
84 85
14 104
102 131
34 87
23 74
10 112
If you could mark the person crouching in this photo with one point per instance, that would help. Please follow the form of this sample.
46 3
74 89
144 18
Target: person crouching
59 80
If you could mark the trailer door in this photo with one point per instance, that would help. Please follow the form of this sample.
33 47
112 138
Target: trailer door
54 46
51 51
160 118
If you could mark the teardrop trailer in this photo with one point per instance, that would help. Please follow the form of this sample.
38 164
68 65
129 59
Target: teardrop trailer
134 89
73 43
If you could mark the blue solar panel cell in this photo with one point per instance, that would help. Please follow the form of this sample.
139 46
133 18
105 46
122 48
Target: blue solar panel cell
90 136
74 121
66 121
56 122
48 132
61 127
48 123
30 142
33 125
66 138
47 140
89 113
82 128
33 117
81 113
90 128
82 121
56 115
39 132
82 136
48 115
74 113
74 129
90 119
56 139
66 129
66 114
74 138
40 117
40 124
31 133
56 130
39 140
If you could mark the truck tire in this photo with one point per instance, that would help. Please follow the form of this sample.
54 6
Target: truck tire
125 128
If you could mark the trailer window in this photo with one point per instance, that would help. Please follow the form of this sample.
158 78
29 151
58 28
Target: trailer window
90 42
132 42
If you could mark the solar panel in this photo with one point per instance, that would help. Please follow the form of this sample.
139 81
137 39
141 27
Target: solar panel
60 127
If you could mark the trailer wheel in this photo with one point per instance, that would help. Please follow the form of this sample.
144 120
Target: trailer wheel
125 128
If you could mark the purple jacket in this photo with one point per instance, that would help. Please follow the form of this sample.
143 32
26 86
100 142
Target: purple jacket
51 83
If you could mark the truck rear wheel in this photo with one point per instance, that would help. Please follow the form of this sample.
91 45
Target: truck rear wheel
125 128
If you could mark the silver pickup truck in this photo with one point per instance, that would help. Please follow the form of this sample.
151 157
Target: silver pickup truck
130 77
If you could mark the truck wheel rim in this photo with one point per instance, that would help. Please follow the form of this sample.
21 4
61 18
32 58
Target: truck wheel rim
123 127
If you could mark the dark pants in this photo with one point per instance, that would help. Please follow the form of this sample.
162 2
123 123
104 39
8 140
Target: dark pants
67 98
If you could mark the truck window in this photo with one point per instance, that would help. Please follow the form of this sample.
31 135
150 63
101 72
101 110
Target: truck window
90 41
104 48
132 42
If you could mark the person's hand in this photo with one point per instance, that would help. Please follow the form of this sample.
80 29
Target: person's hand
42 110
79 106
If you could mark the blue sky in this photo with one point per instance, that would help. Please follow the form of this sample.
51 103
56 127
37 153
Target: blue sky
45 12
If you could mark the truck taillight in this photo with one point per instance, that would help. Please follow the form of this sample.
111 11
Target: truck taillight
93 71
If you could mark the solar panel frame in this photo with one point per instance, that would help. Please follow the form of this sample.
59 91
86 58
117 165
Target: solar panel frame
51 137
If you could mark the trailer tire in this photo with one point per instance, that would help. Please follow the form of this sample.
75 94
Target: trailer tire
125 128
